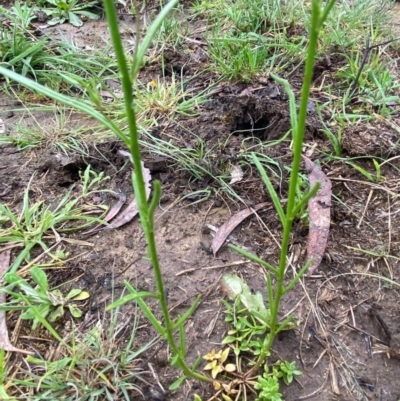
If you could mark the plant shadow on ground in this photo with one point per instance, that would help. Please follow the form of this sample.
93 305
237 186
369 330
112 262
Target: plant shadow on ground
342 310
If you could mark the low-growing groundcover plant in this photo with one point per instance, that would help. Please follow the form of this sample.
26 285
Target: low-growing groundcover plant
259 375
72 11
41 300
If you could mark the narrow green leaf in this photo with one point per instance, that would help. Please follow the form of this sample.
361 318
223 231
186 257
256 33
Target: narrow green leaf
187 314
177 383
272 193
73 293
82 296
129 298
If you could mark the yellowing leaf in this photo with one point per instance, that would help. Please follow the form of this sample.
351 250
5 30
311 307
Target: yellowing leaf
211 365
82 296
224 355
217 385
226 397
214 372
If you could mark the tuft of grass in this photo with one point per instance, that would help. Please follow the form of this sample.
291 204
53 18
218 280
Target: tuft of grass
28 227
165 98
61 134
173 30
55 64
100 363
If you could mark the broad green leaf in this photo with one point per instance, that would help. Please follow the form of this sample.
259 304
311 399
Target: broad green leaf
88 14
12 278
75 311
232 286
74 19
55 297
56 314
228 340
40 278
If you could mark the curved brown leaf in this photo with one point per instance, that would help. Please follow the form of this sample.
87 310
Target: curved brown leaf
132 210
319 210
110 215
226 228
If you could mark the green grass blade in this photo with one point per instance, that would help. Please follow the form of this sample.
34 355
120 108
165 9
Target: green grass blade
142 48
270 188
74 103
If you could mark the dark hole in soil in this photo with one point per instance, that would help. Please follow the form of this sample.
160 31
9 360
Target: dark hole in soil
252 127
72 172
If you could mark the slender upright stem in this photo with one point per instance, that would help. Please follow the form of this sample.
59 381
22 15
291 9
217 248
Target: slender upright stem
146 211
298 135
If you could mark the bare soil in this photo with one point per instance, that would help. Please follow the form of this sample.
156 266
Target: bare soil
348 341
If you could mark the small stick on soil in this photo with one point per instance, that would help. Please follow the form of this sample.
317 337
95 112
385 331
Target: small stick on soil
334 380
239 262
210 328
301 340
155 376
319 358
352 316
376 186
365 208
367 339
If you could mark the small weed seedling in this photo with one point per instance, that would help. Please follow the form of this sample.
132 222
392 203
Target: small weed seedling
73 11
40 302
250 323
28 227
102 363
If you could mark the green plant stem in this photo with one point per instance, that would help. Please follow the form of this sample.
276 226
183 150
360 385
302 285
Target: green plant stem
298 135
146 211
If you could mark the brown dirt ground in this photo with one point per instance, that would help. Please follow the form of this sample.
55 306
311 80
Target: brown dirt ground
341 308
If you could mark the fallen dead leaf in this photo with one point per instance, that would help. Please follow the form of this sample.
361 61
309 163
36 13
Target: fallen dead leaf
236 174
226 228
110 215
4 340
132 210
319 210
